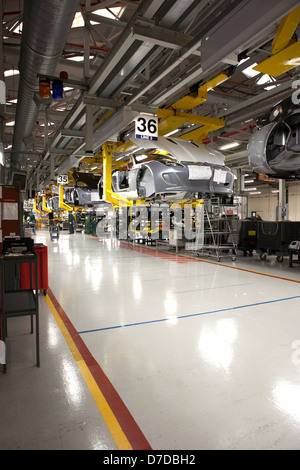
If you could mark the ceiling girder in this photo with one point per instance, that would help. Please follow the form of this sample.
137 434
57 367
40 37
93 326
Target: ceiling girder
246 22
158 54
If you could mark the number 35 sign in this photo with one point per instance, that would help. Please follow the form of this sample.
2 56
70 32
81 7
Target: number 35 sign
62 179
146 127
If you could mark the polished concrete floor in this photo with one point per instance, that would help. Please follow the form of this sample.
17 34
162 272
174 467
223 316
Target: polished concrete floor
142 349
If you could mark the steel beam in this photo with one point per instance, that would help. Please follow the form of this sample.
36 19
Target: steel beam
240 27
161 36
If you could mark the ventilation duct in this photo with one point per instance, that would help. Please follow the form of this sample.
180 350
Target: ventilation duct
255 110
46 25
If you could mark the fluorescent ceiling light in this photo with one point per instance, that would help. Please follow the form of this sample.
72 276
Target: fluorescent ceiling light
11 102
2 159
112 13
140 158
17 27
250 189
78 20
11 72
249 181
243 60
170 133
78 58
229 145
256 192
10 123
249 72
264 79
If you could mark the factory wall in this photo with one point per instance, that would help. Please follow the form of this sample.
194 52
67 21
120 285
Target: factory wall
265 204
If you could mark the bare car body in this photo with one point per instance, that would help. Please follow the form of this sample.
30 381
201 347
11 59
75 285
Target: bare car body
173 170
85 192
274 150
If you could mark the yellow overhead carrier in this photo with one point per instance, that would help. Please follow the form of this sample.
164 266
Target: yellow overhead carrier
194 99
173 119
170 119
285 49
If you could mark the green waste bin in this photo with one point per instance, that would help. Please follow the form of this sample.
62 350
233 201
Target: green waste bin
94 225
88 224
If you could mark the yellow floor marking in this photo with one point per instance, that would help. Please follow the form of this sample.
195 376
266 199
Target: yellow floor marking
105 410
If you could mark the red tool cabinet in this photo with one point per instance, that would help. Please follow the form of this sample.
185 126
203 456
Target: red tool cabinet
42 254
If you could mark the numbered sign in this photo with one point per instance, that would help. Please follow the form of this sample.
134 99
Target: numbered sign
62 179
146 127
28 204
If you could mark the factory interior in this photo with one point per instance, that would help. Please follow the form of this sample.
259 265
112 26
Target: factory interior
150 226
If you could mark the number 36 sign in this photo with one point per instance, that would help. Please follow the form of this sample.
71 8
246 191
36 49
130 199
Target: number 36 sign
146 127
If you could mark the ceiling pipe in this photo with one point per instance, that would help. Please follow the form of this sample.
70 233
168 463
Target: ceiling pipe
46 25
257 109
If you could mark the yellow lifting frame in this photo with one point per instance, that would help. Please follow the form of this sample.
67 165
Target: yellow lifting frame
45 208
61 203
108 194
285 50
35 209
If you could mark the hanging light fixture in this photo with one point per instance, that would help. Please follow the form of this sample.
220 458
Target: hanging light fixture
44 88
57 89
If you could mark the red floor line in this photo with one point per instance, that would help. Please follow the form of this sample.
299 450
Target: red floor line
184 256
129 426
161 255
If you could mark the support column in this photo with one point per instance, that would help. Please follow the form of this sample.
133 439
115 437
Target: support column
89 129
52 177
281 208
106 171
240 182
37 181
87 39
2 105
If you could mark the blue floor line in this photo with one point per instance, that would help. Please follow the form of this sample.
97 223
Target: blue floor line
189 315
212 288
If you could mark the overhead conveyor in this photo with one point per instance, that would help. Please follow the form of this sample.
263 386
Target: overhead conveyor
156 55
285 48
